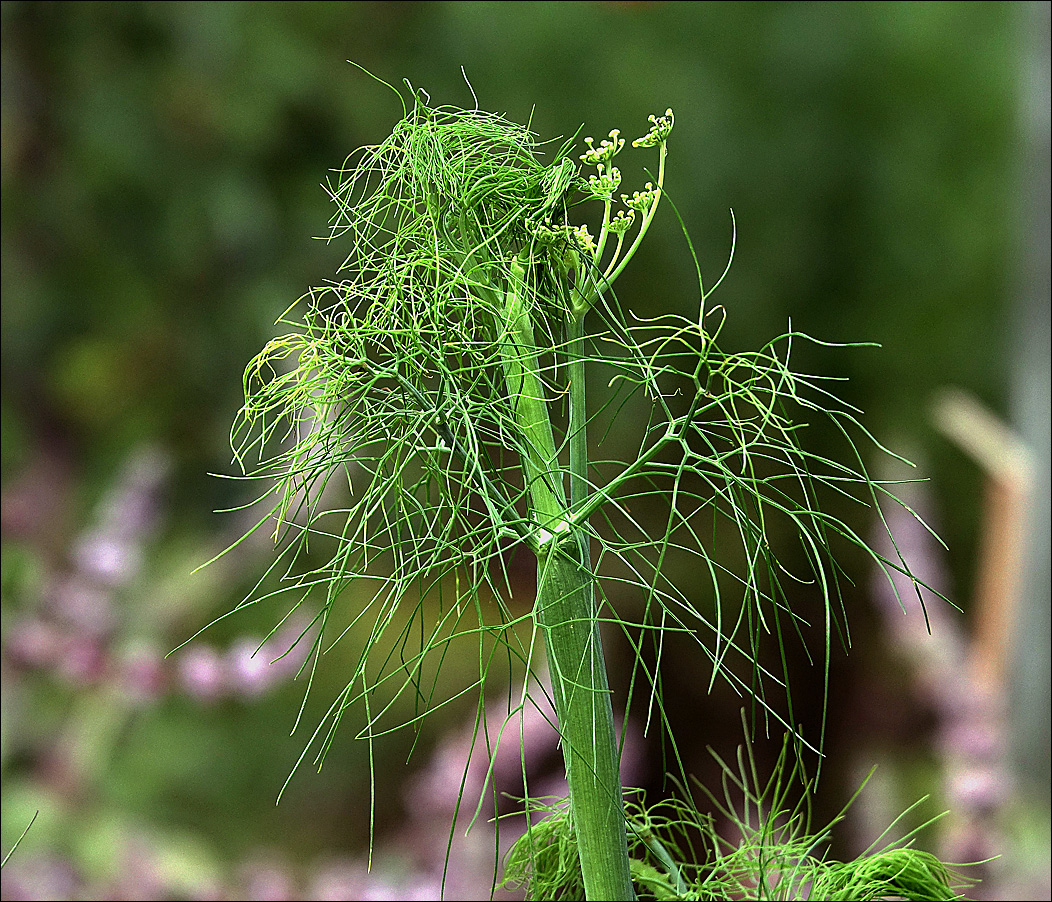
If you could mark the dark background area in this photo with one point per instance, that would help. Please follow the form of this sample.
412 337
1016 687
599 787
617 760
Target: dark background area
161 199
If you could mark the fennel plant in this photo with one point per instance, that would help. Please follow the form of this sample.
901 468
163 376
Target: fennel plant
439 384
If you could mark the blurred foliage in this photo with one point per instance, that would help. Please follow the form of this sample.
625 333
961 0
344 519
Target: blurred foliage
161 170
161 166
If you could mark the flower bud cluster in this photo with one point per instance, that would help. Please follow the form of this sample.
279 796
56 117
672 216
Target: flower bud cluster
605 183
660 129
606 151
622 222
547 235
562 237
641 200
584 239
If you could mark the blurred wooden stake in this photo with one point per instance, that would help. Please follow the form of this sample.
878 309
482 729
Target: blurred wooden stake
1009 468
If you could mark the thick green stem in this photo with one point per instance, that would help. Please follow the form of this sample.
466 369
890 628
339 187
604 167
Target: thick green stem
566 608
586 720
540 463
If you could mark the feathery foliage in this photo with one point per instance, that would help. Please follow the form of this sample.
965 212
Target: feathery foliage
768 848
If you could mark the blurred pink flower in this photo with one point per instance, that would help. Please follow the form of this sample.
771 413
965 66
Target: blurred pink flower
203 672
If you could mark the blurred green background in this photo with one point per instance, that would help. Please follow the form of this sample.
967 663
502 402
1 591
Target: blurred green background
161 197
